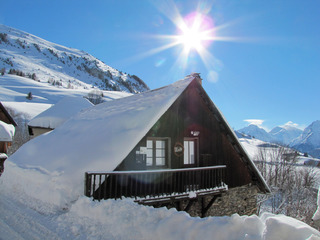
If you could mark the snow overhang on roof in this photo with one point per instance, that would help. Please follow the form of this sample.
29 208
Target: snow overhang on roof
60 112
6 132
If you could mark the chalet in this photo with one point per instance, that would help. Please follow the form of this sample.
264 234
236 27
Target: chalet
183 154
165 147
57 115
7 130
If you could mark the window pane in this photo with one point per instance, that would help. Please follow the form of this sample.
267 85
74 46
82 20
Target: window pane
149 153
149 143
160 153
186 152
156 152
191 159
149 161
160 144
160 161
191 152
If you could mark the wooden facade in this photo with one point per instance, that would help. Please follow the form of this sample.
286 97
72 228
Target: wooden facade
191 134
193 118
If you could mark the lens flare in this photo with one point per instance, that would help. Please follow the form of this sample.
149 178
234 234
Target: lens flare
195 32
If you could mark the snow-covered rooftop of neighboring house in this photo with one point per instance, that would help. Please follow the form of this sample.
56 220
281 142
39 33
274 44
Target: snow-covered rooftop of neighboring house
99 138
60 112
6 132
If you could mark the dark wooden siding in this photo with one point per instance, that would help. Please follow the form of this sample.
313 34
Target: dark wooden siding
190 113
5 116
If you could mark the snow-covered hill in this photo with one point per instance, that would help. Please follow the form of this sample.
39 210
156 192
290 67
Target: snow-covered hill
24 54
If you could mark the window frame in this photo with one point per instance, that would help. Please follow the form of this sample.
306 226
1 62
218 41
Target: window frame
154 149
195 149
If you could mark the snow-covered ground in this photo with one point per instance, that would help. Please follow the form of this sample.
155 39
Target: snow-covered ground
32 207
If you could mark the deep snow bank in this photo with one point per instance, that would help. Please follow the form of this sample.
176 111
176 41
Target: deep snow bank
39 197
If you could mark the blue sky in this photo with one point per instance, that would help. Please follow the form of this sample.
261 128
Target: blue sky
264 59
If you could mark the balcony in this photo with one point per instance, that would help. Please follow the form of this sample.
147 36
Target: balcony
156 185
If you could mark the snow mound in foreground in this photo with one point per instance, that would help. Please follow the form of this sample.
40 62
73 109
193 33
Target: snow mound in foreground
34 203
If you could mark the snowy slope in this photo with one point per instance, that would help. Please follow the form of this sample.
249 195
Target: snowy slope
31 209
253 146
15 89
57 65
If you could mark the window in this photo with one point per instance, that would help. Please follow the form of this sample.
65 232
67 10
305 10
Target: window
189 152
157 152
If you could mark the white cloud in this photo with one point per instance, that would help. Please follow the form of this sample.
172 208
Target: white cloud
257 122
292 124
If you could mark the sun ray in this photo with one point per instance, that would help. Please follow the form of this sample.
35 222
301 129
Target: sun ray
195 32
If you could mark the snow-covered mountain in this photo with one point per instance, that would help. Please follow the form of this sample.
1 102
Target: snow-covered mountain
309 140
285 134
305 141
24 54
256 132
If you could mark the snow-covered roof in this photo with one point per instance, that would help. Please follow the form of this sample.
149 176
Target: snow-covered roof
60 112
6 132
100 137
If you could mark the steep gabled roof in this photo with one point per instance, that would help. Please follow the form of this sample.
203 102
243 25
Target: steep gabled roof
99 138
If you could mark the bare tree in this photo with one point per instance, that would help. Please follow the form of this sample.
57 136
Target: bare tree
293 192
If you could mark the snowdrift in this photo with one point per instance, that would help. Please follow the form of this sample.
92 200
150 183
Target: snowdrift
34 205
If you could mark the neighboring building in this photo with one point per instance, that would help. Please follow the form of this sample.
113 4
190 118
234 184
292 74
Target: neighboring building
188 157
57 115
7 130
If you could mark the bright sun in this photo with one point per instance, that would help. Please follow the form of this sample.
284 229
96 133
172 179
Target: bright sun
191 39
195 32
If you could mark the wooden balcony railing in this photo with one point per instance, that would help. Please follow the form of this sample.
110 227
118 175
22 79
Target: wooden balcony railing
153 183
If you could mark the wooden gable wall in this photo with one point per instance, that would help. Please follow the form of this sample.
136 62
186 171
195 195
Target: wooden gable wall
191 113
5 116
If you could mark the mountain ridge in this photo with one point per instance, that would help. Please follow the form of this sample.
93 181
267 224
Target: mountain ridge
22 53
307 140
